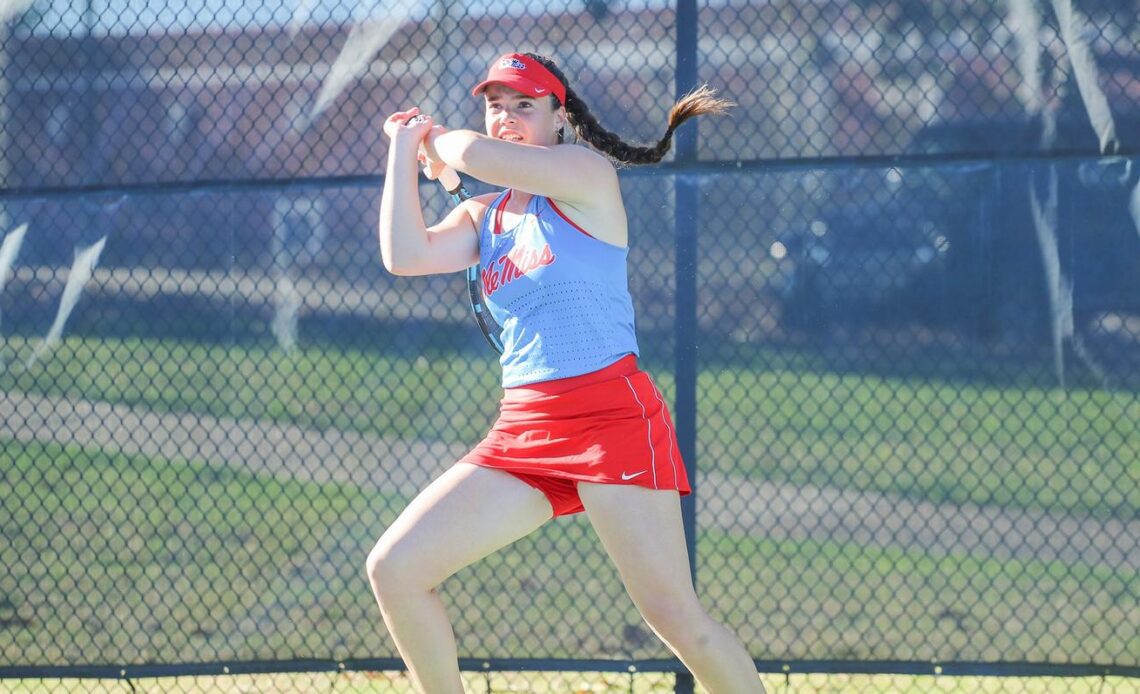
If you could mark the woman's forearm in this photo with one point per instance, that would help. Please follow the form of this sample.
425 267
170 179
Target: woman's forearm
568 174
403 233
455 148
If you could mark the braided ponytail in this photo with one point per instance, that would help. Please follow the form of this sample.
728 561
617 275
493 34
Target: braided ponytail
701 101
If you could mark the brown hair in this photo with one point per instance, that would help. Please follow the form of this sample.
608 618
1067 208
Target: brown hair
702 100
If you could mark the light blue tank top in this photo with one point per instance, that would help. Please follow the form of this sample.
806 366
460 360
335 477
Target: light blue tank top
560 295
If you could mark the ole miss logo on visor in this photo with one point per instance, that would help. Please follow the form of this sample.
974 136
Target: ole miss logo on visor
520 72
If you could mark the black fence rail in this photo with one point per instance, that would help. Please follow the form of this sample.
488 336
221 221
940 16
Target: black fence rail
894 300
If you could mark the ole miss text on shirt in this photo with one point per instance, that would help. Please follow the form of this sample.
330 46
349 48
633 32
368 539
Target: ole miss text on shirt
521 261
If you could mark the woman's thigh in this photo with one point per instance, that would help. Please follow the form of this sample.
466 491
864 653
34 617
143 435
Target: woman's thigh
464 515
642 532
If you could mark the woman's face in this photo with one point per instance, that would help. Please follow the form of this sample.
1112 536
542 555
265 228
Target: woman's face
513 116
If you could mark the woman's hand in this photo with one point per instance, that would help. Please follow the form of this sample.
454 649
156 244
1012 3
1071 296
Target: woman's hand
407 125
427 156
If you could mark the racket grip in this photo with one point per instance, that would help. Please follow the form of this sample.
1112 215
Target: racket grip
450 180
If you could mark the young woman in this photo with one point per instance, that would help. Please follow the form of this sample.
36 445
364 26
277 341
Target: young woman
581 427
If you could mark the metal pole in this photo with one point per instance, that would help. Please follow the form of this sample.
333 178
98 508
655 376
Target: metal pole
5 122
685 217
89 73
93 166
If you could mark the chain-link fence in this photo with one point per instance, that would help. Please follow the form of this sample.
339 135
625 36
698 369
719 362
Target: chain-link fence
894 300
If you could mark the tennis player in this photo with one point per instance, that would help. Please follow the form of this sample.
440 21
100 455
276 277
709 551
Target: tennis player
581 427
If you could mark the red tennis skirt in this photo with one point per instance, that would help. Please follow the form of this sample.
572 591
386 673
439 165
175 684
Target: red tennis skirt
609 427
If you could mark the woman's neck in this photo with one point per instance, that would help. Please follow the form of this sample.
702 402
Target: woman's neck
518 201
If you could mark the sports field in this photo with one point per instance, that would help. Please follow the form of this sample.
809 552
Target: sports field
939 441
129 548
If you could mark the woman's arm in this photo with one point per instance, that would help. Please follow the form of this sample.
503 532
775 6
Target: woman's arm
407 245
567 173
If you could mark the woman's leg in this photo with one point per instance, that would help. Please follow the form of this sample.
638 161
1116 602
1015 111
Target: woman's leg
642 532
465 515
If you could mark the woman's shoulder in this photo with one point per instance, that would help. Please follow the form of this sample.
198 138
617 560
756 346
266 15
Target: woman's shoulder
587 155
591 178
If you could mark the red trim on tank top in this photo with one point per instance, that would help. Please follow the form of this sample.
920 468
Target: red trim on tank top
497 227
567 219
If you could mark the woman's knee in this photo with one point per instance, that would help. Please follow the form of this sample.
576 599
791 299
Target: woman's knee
674 616
391 569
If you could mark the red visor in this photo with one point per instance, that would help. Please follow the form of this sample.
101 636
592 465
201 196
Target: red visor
524 74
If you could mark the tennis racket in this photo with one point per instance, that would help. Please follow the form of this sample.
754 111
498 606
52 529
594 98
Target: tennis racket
454 187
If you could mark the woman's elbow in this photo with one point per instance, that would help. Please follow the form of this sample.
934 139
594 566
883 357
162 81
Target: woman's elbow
394 267
401 266
393 255
390 260
391 267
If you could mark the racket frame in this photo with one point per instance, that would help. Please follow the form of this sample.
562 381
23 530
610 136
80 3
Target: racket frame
453 184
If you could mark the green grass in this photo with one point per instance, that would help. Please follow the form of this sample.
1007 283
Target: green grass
939 440
352 390
118 559
114 558
126 560
867 603
1076 451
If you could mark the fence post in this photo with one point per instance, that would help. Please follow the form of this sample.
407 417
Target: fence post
685 322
